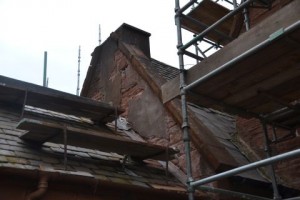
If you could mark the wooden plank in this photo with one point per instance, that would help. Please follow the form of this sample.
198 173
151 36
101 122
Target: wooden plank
208 12
287 92
265 85
270 61
95 110
170 90
101 139
281 19
265 71
276 58
13 91
286 116
291 121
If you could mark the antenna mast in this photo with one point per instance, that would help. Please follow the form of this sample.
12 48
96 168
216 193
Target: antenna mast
99 34
45 70
78 72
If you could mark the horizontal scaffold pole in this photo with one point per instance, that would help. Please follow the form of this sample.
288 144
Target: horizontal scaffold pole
248 167
252 50
231 193
217 23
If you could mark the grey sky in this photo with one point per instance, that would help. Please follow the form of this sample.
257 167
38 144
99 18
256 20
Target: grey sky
28 28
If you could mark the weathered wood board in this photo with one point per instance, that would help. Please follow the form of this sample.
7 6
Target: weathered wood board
103 139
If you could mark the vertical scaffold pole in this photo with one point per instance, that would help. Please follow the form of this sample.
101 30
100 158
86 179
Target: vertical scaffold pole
246 17
185 123
276 194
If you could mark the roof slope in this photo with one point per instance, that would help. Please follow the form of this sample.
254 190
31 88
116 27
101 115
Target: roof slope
221 125
218 125
164 70
107 167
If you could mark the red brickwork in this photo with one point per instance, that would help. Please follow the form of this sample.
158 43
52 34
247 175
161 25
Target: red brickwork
132 87
258 14
250 133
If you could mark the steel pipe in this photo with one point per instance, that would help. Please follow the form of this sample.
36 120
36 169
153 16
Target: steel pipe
294 198
193 55
231 193
217 23
240 57
244 168
276 194
185 123
204 26
41 189
185 7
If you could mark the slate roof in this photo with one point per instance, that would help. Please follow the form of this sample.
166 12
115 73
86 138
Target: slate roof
164 70
223 127
17 154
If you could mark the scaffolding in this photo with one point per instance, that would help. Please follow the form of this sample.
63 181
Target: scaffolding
217 26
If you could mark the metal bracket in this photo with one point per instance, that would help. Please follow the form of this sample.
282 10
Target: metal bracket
24 103
65 148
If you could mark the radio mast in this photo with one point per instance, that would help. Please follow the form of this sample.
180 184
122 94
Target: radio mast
45 70
99 34
78 73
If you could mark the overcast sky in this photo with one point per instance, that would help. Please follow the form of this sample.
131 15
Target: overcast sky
28 28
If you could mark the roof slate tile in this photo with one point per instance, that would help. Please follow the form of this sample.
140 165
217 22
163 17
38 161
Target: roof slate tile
35 163
8 137
13 165
17 160
6 152
3 159
138 183
3 141
27 155
83 169
50 160
118 180
101 177
15 143
89 165
15 153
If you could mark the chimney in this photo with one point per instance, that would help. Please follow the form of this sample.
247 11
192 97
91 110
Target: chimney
134 36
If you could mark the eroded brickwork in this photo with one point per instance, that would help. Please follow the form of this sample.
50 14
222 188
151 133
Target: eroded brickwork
133 88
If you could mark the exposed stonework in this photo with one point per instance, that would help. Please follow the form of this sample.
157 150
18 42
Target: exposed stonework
114 80
166 131
125 75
